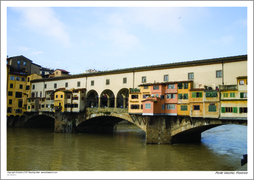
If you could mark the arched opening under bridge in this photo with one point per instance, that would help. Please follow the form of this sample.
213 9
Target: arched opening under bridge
40 121
101 124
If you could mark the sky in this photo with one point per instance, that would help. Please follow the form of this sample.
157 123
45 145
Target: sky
107 38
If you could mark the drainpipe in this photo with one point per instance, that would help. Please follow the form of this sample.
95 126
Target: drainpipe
133 79
222 74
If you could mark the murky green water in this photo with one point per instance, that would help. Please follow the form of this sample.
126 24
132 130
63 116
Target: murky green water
36 149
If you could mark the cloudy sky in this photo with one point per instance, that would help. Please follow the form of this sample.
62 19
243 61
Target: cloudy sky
106 38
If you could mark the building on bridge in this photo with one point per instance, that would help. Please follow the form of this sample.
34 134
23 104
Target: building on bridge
234 99
119 88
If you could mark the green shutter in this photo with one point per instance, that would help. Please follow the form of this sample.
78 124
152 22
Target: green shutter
200 94
241 95
193 94
179 96
223 109
234 109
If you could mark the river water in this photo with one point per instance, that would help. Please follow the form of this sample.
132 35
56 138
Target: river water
37 149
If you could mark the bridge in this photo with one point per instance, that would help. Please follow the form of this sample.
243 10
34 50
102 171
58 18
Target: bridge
159 129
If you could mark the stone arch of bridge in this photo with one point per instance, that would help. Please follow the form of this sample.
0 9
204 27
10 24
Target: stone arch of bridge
107 99
112 117
122 98
92 99
190 130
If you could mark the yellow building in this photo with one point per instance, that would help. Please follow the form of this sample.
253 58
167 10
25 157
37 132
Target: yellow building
234 99
16 93
196 102
183 107
211 103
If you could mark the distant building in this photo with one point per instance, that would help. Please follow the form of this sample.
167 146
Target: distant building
45 72
23 64
59 72
91 71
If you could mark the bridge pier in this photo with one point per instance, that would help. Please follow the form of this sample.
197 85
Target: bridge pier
158 130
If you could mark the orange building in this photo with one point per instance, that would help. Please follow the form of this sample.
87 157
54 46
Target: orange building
183 106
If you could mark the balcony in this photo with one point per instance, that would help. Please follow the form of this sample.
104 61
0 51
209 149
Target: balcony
228 87
134 90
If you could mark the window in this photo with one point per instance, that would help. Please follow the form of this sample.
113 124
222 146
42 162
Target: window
107 81
78 84
66 84
11 85
225 95
33 86
219 74
144 79
165 77
184 107
162 97
75 98
180 86
171 86
232 94
20 104
124 80
241 82
196 107
9 110
145 95
157 95
18 64
212 108
68 96
18 94
185 96
134 106
148 106
9 93
36 94
171 96
134 96
155 87
242 109
20 86
12 78
56 96
180 96
40 94
170 106
27 87
145 87
243 94
10 101
75 105
163 106
28 107
185 85
61 96
28 79
17 78
92 83
191 75
42 106
24 63
45 86
55 85
196 94
23 79
211 94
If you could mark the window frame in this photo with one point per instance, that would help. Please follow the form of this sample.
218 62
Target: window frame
143 79
218 73
165 77
191 75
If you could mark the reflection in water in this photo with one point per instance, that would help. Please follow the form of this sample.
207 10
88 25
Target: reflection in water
124 150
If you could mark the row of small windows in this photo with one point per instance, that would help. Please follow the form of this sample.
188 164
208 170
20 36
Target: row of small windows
9 110
233 109
232 94
17 78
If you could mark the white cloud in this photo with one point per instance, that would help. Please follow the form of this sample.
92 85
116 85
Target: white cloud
29 51
45 21
225 40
